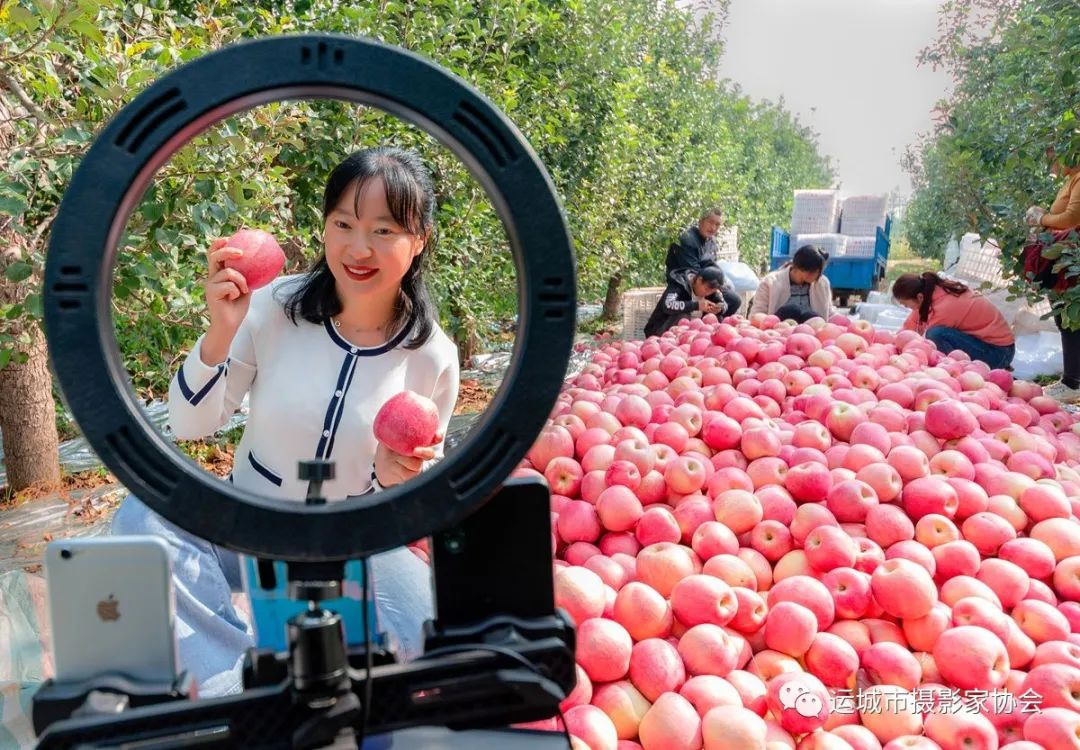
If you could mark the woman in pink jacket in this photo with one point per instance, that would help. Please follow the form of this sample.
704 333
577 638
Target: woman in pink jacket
954 317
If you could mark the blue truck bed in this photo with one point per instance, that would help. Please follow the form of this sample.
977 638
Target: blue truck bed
847 275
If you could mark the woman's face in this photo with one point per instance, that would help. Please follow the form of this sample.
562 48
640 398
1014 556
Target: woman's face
799 276
368 252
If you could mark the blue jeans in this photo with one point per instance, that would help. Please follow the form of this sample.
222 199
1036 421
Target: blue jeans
950 339
213 636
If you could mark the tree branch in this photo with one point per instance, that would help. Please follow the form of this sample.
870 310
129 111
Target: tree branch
44 35
13 86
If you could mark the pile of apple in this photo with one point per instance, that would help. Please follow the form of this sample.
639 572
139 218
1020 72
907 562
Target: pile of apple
773 535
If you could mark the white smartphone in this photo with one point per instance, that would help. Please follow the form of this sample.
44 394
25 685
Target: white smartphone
112 608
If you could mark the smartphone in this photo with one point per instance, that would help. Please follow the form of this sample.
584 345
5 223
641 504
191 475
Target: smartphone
266 584
112 608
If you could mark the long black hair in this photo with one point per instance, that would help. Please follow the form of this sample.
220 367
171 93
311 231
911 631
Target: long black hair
410 195
910 285
810 259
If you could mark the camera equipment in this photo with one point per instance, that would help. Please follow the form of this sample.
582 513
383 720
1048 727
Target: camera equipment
497 651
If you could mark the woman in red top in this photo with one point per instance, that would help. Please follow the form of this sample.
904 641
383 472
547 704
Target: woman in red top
954 317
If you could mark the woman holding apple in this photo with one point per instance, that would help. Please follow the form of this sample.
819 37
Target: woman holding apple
317 355
953 317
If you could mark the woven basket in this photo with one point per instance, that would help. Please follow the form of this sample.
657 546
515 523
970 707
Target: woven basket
638 305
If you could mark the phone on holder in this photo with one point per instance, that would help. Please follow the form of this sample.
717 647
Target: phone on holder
112 608
266 584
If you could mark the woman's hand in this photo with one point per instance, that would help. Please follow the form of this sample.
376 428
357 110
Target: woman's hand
1034 215
227 298
708 306
394 468
227 293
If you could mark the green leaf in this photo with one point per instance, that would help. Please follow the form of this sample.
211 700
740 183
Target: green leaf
140 76
12 205
89 30
1068 78
32 304
5 357
18 271
19 17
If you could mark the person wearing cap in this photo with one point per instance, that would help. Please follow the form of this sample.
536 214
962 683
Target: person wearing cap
689 290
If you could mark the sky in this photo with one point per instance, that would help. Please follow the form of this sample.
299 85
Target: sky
848 69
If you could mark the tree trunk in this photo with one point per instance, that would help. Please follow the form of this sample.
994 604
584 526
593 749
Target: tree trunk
27 411
613 300
468 343
28 417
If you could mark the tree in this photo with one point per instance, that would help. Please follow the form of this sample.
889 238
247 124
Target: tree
1016 93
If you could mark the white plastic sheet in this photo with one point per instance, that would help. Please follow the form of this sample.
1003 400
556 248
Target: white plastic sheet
1037 354
742 277
873 312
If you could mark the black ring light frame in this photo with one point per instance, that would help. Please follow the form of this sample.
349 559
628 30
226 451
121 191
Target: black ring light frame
111 180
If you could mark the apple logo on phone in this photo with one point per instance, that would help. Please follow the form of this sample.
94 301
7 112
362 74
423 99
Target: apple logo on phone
109 609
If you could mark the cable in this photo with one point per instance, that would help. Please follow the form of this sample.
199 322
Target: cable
367 653
458 648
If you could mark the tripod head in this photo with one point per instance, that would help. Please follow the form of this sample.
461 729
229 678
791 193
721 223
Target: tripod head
497 651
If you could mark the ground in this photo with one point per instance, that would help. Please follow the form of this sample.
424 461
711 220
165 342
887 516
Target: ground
902 260
84 480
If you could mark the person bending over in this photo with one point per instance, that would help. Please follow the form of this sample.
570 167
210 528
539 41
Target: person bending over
954 317
688 291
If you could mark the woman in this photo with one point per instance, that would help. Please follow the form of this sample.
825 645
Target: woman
317 354
954 317
1063 217
798 290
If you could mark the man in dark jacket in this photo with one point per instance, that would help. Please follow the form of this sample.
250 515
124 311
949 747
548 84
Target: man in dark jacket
696 249
684 290
697 244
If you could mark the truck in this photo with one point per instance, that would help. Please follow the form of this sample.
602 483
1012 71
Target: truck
848 275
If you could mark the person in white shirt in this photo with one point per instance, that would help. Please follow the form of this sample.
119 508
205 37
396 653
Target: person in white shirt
317 355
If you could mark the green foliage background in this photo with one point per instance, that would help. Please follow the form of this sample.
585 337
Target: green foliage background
1015 94
621 100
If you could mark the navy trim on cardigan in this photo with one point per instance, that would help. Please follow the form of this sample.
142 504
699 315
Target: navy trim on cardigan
269 475
367 351
340 406
333 409
192 397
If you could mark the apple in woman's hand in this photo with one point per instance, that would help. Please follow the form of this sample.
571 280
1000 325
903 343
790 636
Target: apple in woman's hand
262 260
406 422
